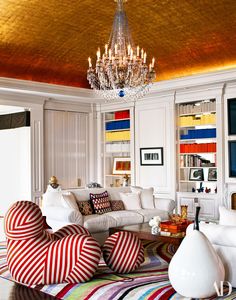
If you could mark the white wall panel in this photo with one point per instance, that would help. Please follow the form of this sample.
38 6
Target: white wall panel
154 127
66 147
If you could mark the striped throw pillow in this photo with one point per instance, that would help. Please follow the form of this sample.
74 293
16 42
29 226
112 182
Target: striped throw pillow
123 252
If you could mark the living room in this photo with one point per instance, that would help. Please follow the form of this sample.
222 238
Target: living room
174 138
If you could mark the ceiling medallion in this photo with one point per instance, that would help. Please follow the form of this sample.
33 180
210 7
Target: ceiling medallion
121 71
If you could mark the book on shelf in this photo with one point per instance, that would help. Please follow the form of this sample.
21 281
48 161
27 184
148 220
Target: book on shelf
118 125
124 114
194 160
186 121
117 147
198 148
167 233
199 107
117 136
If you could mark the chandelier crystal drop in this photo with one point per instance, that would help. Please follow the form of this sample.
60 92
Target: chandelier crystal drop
121 71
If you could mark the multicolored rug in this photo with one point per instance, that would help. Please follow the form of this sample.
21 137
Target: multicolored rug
148 283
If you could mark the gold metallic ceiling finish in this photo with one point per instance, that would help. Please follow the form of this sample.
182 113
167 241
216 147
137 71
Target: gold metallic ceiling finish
50 40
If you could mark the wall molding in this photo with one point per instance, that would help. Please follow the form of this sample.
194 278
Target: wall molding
82 95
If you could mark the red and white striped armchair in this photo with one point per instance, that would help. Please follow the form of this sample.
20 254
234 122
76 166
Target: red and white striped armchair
36 256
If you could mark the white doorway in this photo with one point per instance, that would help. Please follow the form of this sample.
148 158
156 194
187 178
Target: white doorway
15 163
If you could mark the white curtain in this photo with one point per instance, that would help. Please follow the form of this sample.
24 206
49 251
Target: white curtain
66 147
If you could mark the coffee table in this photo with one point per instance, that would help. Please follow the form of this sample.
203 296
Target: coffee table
143 231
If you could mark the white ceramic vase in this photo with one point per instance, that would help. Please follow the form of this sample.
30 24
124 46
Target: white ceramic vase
195 267
155 230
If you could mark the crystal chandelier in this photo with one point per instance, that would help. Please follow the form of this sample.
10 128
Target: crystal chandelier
121 71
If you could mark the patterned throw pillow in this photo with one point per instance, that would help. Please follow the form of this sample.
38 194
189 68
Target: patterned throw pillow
85 208
117 205
101 203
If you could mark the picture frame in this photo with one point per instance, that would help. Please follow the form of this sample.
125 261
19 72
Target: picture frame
121 166
151 156
196 174
212 174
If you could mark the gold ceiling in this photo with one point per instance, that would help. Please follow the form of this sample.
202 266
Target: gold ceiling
50 40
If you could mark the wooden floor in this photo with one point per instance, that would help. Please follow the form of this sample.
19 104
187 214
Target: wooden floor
13 291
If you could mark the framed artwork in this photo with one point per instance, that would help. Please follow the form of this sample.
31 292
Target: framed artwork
122 166
151 156
196 174
232 158
212 174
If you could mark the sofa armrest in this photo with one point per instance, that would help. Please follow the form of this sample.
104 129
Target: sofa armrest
220 235
164 204
63 214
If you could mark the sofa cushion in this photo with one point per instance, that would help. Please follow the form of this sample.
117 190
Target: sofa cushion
146 196
100 203
113 193
227 216
131 200
85 207
97 223
125 217
69 201
117 205
150 213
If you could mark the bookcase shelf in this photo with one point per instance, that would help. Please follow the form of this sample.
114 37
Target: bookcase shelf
196 146
117 144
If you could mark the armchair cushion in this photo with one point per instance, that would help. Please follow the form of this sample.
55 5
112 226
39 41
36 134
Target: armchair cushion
218 234
227 216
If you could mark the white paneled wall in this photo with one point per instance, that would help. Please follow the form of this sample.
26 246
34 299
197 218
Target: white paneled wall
155 127
66 147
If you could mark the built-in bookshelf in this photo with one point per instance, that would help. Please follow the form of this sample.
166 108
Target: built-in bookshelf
197 157
197 146
117 148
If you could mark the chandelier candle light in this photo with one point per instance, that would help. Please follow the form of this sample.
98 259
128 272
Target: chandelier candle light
121 72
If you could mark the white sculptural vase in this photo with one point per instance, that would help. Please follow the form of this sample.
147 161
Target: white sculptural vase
196 266
155 230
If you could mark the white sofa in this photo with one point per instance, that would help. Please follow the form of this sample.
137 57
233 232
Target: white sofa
223 240
59 214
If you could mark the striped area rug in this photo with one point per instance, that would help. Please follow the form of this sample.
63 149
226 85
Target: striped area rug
148 283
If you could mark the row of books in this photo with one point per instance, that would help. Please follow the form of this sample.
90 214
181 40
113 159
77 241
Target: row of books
195 161
117 136
123 114
197 120
198 148
197 107
117 147
116 125
199 134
